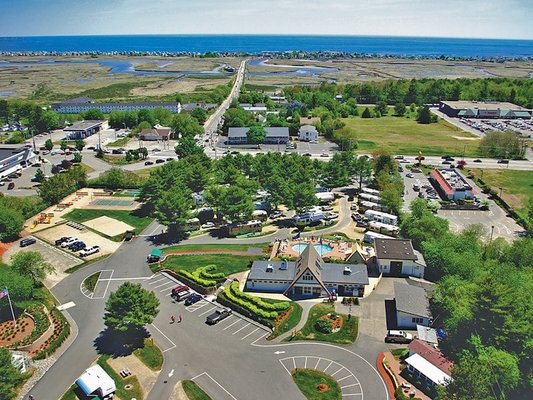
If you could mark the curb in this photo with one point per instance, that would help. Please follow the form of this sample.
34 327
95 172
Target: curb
386 375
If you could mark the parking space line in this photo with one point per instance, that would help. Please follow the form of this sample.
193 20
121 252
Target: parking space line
353 384
158 280
108 282
259 338
305 364
241 329
329 365
256 329
317 362
208 311
229 326
353 394
286 369
165 289
339 370
346 377
166 337
218 384
197 306
163 284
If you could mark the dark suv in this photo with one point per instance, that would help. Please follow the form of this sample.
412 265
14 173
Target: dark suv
77 246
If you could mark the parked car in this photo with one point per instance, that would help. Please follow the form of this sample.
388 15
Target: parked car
11 186
152 259
27 241
77 246
324 155
330 216
503 161
182 295
179 289
148 163
417 170
446 162
62 240
128 236
159 161
68 242
208 225
410 175
170 159
90 250
276 214
218 316
477 160
307 154
117 151
193 298
398 337
326 208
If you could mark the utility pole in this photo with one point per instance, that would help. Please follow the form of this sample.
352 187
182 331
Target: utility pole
33 138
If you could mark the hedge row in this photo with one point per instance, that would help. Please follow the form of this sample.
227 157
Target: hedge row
256 300
61 332
228 292
196 279
207 273
223 299
42 323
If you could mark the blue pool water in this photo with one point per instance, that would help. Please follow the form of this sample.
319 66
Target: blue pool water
320 248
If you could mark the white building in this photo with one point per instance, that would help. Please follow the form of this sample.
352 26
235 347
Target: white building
397 257
412 306
307 133
427 363
14 158
309 276
96 382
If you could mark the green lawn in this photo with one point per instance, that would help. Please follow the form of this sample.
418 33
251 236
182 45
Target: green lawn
347 334
193 391
308 380
90 282
292 320
517 186
150 355
401 135
139 223
119 142
136 390
222 247
227 263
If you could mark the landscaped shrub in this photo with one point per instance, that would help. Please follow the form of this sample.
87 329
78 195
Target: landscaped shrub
206 273
61 332
42 323
324 325
196 279
256 300
249 306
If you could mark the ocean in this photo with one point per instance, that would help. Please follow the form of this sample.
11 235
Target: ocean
379 45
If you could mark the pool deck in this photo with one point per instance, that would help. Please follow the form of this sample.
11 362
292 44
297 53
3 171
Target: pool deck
340 250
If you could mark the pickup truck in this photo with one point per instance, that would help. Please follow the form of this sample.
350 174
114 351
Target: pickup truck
218 316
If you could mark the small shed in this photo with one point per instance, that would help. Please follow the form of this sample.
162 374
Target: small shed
156 253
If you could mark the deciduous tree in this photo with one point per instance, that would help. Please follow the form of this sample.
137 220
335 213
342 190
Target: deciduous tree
31 263
11 223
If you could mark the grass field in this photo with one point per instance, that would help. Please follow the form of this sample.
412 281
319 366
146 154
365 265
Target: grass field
228 247
308 380
139 223
517 186
346 335
150 355
90 282
401 135
193 391
227 263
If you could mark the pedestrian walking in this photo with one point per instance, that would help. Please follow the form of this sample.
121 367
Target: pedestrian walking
172 319
179 318
30 397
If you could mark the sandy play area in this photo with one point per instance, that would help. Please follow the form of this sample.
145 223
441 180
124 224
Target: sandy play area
108 226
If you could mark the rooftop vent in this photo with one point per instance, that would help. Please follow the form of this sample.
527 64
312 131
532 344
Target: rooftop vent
347 270
284 265
269 268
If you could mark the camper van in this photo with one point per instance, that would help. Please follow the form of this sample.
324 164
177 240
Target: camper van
244 228
369 197
308 218
373 192
370 236
387 229
382 217
368 205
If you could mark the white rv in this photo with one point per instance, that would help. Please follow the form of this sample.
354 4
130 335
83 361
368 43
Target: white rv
382 217
370 236
373 192
308 218
369 197
387 229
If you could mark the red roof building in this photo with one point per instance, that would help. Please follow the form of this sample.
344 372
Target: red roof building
431 354
451 184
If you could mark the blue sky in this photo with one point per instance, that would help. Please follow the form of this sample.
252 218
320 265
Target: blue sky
445 18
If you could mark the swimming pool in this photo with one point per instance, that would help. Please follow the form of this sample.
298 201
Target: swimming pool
320 248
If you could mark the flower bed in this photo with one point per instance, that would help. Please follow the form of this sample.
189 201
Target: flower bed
60 334
9 333
42 323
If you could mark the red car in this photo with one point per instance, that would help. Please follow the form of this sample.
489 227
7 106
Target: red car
179 289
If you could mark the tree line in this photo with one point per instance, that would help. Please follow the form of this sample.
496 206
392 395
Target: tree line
482 300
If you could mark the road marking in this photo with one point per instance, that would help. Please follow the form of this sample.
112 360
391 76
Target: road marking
158 280
163 284
256 329
353 394
339 370
66 306
279 352
241 329
305 364
347 376
208 311
166 337
229 326
329 365
171 373
219 385
259 338
317 362
108 282
285 367
353 384
125 279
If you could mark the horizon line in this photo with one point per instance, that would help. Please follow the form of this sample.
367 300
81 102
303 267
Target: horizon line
271 34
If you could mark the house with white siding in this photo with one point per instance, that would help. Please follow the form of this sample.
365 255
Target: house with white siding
309 276
397 257
307 133
412 306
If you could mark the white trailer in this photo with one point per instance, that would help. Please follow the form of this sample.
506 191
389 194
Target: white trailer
373 192
387 229
368 205
369 197
370 236
382 217
308 218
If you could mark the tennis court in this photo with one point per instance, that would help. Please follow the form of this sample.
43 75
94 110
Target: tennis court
112 202
130 192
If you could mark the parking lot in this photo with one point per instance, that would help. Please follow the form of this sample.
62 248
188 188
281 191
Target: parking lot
235 327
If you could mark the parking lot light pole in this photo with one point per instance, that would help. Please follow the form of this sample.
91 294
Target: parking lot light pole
491 233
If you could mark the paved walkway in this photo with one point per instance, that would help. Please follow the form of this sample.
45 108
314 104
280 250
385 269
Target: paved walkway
306 307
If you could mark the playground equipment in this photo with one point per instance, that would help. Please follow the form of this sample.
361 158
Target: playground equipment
43 218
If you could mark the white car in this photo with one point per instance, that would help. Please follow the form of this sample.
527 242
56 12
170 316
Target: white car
410 175
208 225
69 242
90 250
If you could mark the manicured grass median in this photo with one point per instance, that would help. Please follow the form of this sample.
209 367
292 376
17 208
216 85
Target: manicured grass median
401 135
193 391
347 334
308 381
150 355
139 223
222 247
90 282
226 263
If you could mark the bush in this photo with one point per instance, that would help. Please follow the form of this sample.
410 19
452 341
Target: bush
234 287
196 279
248 306
61 332
324 325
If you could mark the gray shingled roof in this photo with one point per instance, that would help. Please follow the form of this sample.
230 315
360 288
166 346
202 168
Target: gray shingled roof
411 299
83 125
394 249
